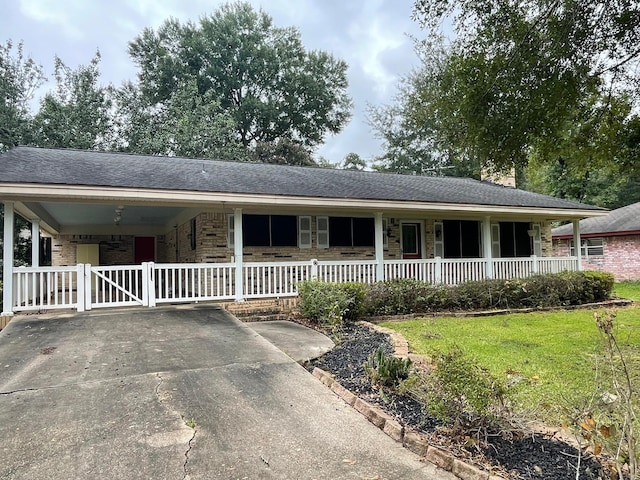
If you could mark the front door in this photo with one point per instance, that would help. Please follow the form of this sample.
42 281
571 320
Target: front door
411 241
144 249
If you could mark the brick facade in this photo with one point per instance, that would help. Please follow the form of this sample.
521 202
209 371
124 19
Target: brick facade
211 244
621 256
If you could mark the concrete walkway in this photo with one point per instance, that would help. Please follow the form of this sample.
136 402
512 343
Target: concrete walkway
297 341
175 394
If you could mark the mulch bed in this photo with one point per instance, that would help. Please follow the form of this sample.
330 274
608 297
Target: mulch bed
533 457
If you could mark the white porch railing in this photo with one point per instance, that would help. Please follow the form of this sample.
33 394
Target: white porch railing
192 282
362 271
273 280
84 287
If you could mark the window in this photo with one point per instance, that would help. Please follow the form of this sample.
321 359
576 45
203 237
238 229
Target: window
515 240
590 247
351 232
265 230
269 230
461 238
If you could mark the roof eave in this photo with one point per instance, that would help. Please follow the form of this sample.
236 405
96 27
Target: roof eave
99 194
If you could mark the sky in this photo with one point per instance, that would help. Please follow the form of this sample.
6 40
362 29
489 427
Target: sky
373 36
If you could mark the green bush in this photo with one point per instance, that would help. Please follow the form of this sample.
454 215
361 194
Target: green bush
356 293
331 303
386 370
462 393
325 302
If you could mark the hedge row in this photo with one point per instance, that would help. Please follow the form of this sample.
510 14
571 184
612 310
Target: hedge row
323 302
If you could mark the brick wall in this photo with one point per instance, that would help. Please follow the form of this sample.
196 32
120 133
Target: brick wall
211 245
114 249
621 256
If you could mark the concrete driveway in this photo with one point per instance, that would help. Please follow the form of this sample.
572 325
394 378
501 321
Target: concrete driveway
175 394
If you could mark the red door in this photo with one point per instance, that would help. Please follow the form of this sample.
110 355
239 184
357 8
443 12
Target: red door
411 241
144 249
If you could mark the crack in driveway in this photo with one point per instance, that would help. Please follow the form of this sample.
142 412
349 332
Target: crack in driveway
188 423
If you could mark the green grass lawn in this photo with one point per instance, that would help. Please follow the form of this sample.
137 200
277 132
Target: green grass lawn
553 352
630 290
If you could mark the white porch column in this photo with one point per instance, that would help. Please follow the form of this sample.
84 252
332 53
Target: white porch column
7 260
35 242
577 243
237 252
379 245
486 246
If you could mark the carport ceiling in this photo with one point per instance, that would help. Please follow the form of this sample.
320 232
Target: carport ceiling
85 217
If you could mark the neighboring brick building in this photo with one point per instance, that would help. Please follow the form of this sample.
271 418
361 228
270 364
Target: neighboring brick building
610 243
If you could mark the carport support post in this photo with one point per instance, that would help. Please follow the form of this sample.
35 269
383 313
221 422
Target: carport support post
7 261
35 242
486 246
577 243
379 245
237 252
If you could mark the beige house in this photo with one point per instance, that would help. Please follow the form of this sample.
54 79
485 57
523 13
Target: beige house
134 229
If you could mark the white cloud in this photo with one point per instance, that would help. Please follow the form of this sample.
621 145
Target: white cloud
50 11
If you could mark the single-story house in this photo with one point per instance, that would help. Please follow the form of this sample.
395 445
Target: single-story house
138 229
610 243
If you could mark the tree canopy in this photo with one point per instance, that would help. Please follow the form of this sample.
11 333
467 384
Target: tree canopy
20 77
77 113
261 74
521 78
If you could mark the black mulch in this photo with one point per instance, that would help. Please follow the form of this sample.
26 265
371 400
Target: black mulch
534 457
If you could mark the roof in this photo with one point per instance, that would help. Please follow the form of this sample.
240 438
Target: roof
32 165
621 221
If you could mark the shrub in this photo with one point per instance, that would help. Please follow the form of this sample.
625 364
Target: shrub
462 393
356 293
404 296
322 302
386 370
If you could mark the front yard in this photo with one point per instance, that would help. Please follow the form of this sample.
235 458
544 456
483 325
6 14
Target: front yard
550 357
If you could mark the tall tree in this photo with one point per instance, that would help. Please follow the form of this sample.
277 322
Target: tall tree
20 77
186 124
77 113
261 74
408 129
518 70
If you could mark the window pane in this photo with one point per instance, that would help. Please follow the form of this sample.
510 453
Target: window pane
507 245
451 230
470 238
255 230
340 231
522 239
284 232
363 232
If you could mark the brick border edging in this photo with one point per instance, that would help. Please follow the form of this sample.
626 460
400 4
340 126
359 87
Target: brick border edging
410 439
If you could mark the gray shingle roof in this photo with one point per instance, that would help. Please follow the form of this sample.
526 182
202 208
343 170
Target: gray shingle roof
625 219
77 167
